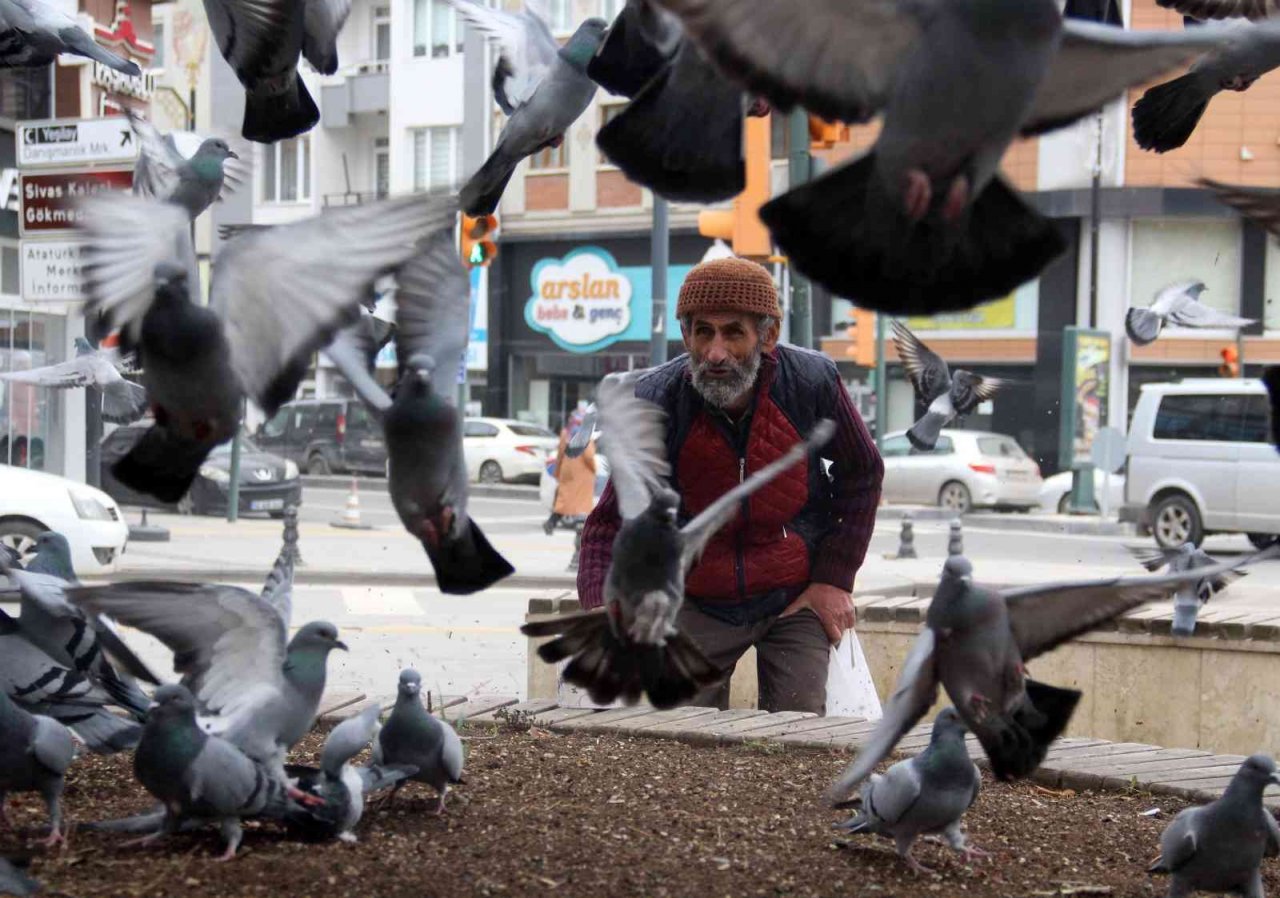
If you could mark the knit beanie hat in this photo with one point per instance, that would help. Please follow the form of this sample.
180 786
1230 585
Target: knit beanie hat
728 285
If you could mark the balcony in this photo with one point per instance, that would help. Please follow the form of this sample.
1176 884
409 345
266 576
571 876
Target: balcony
365 87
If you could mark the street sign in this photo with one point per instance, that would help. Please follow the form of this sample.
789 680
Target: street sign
51 200
76 142
51 270
1109 450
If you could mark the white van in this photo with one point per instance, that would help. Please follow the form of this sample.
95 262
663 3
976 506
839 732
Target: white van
1200 461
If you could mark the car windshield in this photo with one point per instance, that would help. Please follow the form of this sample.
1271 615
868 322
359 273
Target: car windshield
1000 447
246 445
530 430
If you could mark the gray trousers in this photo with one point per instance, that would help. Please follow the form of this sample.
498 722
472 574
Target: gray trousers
792 657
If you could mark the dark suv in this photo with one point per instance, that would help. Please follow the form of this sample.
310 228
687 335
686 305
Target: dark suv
326 436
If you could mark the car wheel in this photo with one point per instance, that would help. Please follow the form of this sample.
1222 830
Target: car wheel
277 515
20 536
1176 520
490 472
318 465
1264 540
1064 504
954 496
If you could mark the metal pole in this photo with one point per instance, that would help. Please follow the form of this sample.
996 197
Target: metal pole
1095 205
882 386
798 173
659 251
233 491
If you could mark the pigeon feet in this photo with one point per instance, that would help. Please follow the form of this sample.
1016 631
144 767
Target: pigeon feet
972 855
348 837
227 855
917 868
957 199
144 841
55 837
918 195
305 798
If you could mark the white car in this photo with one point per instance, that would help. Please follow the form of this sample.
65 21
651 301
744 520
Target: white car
500 449
966 469
1055 495
32 502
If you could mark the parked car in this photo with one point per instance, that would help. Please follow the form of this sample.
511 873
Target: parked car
267 482
326 436
966 469
32 502
1055 494
1200 462
500 449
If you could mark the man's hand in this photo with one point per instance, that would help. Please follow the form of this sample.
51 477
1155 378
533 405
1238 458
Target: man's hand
833 606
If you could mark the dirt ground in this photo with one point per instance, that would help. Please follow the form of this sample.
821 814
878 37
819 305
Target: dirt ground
544 814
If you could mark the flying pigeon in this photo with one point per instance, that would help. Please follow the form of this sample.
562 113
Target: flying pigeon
925 794
1259 205
277 295
541 86
33 33
1190 596
415 738
199 775
1165 116
922 223
322 22
1219 847
1178 304
14 882
632 645
123 401
945 395
184 168
639 44
35 753
976 643
1223 9
423 428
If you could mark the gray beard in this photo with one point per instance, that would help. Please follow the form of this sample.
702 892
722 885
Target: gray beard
723 392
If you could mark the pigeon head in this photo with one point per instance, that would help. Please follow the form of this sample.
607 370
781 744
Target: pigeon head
665 507
410 682
172 702
957 567
1256 773
584 43
82 346
217 148
320 635
170 278
948 727
948 608
53 556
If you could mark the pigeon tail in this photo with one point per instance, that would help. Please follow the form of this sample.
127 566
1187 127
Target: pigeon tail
81 44
846 232
925 432
1165 116
467 563
627 59
1017 746
481 194
1271 380
162 464
1184 615
1142 326
102 732
610 668
861 822
682 135
270 116
125 693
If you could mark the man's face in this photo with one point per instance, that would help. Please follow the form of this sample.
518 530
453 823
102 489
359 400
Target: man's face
724 355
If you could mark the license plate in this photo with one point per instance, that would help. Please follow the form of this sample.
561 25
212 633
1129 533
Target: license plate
266 504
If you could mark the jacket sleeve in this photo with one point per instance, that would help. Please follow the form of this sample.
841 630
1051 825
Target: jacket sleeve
856 472
596 552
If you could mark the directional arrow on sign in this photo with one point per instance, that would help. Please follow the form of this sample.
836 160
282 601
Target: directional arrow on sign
126 138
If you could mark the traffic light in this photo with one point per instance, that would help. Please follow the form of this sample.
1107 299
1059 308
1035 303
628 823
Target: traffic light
741 226
823 135
1230 366
476 242
861 332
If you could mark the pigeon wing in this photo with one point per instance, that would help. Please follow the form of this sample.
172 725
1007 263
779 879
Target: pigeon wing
348 739
528 49
895 793
349 352
635 435
73 373
1153 558
929 374
156 171
968 389
247 31
1259 205
1193 313
433 308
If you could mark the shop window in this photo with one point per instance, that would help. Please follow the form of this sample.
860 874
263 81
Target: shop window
1164 251
29 415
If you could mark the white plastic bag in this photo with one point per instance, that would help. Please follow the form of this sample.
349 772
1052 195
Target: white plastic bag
850 690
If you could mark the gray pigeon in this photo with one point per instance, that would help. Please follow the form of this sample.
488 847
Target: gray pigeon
193 179
922 223
1260 205
14 882
1219 847
945 395
33 33
1178 304
925 794
413 737
123 401
1190 596
976 643
276 296
423 428
35 753
541 86
197 775
322 21
632 645
277 589
1223 9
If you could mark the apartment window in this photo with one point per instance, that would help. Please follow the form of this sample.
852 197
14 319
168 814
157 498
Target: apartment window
551 158
436 30
381 33
609 9
436 157
286 171
608 113
561 16
381 167
157 61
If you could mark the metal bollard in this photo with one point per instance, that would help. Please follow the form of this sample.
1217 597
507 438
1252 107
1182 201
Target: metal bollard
955 544
907 539
577 545
291 533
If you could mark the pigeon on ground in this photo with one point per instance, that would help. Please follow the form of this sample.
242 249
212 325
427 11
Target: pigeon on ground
632 645
1165 116
1223 9
976 643
33 33
1219 847
14 882
199 775
123 401
541 86
925 794
422 425
35 753
1191 595
1177 304
277 295
183 168
322 21
415 738
261 41
340 786
945 395
923 223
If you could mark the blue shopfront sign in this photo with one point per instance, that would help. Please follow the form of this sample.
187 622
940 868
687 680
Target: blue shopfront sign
585 301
